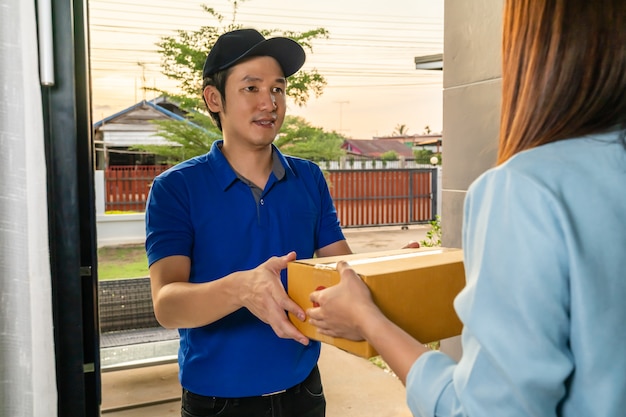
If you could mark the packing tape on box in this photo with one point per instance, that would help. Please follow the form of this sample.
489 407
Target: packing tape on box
355 262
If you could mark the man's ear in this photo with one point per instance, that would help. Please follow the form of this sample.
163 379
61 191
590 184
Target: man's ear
213 99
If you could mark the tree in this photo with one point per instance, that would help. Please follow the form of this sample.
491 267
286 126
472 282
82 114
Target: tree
422 156
389 156
299 138
183 57
187 139
400 130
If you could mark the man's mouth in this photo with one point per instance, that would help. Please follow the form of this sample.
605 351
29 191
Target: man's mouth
266 121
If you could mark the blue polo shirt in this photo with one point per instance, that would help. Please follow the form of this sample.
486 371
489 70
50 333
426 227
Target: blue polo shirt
203 210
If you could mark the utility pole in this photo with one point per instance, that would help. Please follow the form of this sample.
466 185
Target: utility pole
341 103
143 78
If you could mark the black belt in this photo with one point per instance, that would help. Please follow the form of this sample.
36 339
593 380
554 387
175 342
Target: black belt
201 403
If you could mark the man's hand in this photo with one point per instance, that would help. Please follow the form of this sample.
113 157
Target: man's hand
411 244
265 297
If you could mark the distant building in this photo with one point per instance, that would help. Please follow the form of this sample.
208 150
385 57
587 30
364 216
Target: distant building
375 148
402 145
431 141
114 136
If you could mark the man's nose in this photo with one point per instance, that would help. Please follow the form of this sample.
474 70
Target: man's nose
269 101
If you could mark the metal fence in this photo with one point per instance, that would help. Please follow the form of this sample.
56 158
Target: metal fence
384 196
362 197
127 187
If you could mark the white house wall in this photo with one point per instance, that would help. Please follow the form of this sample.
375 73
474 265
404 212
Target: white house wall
132 138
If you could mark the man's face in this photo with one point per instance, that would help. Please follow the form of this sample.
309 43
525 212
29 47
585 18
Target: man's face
255 102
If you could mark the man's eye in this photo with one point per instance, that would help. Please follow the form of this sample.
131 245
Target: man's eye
250 88
278 90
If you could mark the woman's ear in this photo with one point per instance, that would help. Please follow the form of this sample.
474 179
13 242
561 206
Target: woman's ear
213 99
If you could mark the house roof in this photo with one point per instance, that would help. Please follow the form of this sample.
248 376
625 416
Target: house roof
142 113
374 148
134 125
430 140
429 62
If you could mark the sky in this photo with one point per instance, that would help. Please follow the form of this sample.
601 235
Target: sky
368 59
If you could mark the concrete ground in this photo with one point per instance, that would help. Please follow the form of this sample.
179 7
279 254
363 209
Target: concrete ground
353 386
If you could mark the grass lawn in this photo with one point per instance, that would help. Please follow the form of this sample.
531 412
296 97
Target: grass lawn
124 261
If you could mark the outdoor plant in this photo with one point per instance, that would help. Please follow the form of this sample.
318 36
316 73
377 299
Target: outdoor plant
433 236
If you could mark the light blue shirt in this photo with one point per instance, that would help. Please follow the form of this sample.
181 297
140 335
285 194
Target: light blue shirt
544 308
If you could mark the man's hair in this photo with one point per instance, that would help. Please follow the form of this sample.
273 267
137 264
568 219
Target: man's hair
217 80
563 71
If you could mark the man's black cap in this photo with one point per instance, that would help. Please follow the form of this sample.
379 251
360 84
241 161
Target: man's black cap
232 47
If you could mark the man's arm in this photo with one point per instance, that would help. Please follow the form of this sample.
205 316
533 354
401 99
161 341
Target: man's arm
338 248
181 304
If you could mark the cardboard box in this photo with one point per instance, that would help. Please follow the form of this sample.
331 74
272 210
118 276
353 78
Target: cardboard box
414 288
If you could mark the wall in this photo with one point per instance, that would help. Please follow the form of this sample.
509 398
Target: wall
471 102
120 229
471 110
116 229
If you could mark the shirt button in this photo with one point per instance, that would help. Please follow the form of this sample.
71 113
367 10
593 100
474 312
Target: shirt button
262 201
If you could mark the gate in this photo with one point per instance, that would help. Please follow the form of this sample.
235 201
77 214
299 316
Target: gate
384 196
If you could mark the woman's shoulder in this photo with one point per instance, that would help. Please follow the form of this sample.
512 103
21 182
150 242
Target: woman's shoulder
575 158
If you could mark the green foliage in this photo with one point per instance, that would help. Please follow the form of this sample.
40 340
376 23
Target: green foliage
380 362
422 156
400 130
183 56
389 156
298 138
433 236
188 139
182 60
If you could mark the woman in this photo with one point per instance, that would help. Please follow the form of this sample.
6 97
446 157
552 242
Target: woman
544 237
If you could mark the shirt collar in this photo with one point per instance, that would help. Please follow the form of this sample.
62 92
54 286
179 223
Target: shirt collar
226 175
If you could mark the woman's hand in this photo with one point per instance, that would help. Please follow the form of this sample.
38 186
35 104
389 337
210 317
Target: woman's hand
343 310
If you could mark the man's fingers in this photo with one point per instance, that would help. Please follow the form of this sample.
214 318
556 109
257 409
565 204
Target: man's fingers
286 330
287 304
278 263
291 256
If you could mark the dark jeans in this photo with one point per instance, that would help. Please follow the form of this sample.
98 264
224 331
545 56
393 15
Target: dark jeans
303 400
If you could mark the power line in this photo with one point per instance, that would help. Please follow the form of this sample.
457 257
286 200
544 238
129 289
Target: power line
365 49
194 12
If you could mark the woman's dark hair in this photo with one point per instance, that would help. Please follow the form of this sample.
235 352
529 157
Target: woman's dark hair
217 80
563 71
